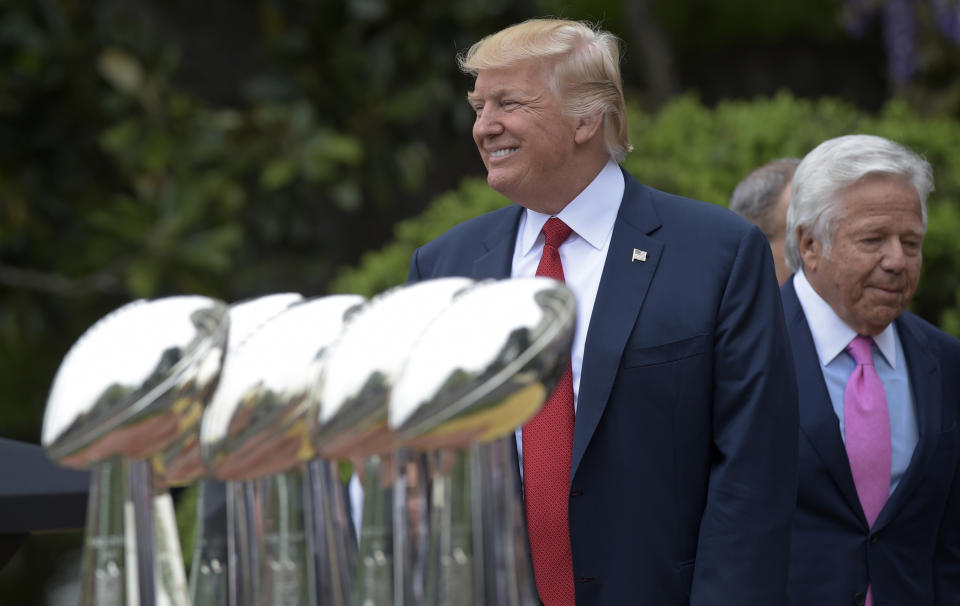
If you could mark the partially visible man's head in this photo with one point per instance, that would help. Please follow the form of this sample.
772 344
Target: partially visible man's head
762 198
550 109
855 226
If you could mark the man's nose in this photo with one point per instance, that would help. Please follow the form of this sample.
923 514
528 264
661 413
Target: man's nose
894 257
488 123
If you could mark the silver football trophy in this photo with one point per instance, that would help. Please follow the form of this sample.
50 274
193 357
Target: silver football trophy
128 389
482 368
224 568
352 423
256 428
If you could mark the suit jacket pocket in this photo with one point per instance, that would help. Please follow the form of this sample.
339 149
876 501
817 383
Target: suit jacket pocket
666 352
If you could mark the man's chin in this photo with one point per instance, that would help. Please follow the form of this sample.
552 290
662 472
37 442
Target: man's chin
879 318
499 183
888 299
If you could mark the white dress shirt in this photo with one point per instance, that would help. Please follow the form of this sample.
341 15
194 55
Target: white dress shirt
591 216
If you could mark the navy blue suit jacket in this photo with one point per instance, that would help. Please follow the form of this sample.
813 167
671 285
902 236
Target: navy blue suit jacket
683 478
912 554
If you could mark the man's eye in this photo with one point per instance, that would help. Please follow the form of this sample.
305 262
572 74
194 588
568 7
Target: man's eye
478 109
508 104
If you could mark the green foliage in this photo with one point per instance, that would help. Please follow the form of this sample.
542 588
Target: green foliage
381 269
701 152
192 176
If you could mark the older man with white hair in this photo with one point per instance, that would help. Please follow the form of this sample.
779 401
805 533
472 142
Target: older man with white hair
878 509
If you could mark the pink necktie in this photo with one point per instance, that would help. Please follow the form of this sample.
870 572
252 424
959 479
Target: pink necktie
547 449
866 421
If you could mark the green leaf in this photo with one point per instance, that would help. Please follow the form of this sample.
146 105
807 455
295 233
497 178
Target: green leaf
122 70
119 138
142 277
278 173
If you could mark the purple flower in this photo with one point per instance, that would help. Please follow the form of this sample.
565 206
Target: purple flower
899 21
948 19
857 15
900 39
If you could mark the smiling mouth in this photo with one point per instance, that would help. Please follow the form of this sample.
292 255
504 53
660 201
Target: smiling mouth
502 153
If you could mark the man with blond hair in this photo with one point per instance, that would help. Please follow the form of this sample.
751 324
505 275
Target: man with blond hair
662 469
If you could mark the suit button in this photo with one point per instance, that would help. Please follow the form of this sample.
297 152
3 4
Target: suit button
576 493
859 598
874 539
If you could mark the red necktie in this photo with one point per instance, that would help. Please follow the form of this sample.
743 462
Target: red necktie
547 449
866 428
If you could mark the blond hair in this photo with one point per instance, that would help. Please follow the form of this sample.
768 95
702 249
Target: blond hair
585 75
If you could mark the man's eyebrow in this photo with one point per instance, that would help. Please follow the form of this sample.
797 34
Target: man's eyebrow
497 93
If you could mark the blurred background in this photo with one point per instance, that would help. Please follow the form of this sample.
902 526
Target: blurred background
158 147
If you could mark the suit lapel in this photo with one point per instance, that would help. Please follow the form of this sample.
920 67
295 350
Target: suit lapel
818 421
923 368
622 290
497 259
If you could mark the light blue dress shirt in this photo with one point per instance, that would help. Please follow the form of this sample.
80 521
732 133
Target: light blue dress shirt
831 337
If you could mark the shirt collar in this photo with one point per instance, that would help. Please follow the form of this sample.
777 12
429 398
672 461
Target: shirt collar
590 215
831 335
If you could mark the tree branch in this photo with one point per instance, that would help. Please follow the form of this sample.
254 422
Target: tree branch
655 53
56 284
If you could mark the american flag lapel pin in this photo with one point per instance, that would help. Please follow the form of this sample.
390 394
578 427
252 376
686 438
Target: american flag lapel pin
639 255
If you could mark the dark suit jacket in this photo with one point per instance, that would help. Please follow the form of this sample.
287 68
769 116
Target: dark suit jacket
36 494
912 555
683 476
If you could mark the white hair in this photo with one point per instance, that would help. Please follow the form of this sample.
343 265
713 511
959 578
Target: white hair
831 168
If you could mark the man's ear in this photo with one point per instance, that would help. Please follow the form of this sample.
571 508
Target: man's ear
810 248
588 126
